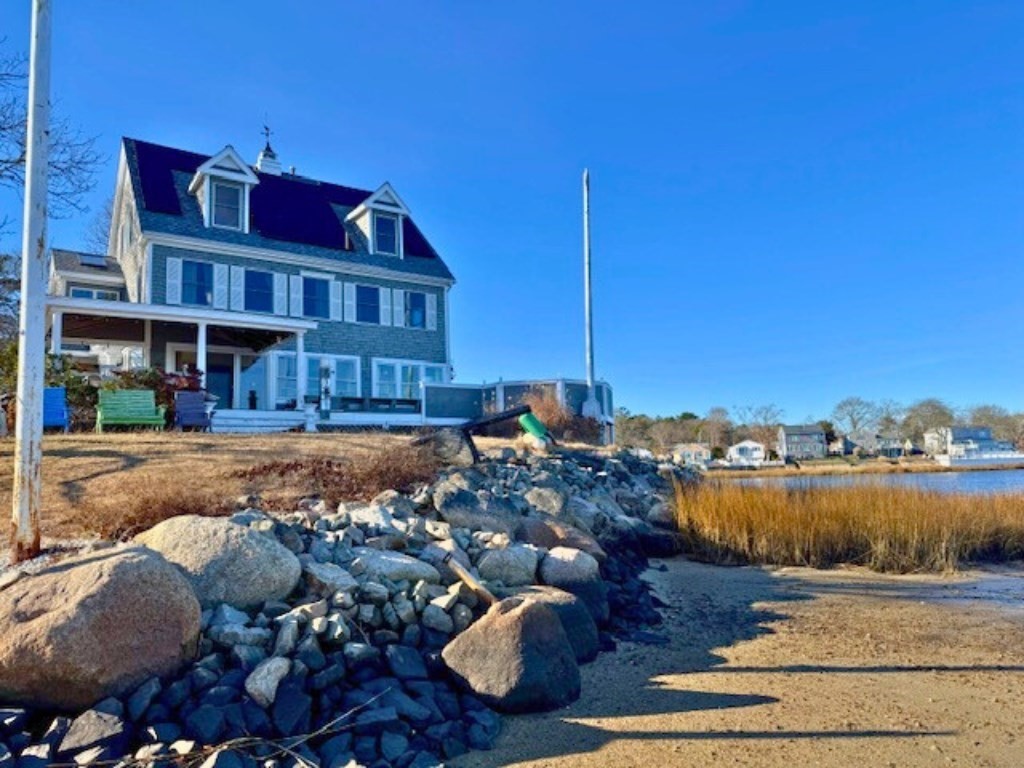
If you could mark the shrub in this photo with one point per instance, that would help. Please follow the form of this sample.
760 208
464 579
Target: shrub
59 371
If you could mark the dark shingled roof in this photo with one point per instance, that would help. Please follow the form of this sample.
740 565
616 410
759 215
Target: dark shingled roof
285 208
71 261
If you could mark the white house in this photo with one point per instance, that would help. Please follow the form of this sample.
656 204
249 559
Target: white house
748 453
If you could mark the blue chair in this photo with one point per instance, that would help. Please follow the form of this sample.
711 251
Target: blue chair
55 408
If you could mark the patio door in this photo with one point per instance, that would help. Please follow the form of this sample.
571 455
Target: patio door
220 378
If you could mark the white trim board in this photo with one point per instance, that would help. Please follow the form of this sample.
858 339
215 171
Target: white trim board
335 267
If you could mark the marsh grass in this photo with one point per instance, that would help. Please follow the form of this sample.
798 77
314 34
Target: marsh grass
884 528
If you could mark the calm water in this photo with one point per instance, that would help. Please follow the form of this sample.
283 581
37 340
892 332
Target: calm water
994 481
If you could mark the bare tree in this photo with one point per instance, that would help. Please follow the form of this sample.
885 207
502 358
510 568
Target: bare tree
930 413
890 417
855 413
97 236
73 157
762 422
716 427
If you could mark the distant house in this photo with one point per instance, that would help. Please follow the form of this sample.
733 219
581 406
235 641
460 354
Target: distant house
843 445
960 441
892 446
746 453
802 441
691 453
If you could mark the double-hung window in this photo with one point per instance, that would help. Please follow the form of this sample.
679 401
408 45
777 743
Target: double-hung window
259 291
385 232
367 304
196 283
386 384
227 205
415 309
399 379
316 297
346 378
285 380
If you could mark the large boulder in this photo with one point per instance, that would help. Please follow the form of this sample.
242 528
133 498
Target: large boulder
577 572
94 626
549 533
462 509
225 562
516 658
576 620
513 566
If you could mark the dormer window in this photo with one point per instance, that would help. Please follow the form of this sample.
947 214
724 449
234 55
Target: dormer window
227 205
385 231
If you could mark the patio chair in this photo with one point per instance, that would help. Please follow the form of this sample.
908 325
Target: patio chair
55 409
190 410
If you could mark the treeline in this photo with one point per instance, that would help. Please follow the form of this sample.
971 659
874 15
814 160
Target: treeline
720 427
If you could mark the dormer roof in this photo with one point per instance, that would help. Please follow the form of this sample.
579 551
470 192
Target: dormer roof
226 164
384 199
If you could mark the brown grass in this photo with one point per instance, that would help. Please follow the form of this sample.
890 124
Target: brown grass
116 484
887 529
356 478
851 467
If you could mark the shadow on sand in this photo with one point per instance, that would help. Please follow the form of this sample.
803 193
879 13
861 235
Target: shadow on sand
698 622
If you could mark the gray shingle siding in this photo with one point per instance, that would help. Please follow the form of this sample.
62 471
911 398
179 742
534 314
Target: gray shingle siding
331 337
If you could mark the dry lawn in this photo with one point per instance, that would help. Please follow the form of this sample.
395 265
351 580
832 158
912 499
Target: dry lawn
851 467
884 528
117 484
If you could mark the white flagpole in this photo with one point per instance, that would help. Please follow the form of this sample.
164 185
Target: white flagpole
32 325
591 407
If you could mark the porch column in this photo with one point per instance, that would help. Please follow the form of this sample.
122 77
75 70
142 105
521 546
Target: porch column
301 371
147 344
201 351
56 331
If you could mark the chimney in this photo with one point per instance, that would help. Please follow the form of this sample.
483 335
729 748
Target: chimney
267 161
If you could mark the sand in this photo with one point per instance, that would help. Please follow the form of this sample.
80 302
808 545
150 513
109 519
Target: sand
795 667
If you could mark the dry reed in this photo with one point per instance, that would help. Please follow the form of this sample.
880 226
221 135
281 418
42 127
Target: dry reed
884 528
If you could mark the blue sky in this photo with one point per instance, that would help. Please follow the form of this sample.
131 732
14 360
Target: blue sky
792 201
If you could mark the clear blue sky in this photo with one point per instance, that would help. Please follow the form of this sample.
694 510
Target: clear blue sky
792 201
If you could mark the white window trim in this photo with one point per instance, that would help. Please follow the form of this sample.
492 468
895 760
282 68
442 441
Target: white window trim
243 203
378 288
396 216
398 363
272 388
245 296
316 276
213 283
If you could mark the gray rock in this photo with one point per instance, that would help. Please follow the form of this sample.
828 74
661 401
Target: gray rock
393 566
436 619
143 696
94 729
327 578
287 637
225 563
226 614
547 500
262 682
405 663
462 509
578 573
229 635
516 658
513 567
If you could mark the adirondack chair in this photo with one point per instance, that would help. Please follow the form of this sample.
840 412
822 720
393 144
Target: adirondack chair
55 408
190 411
130 407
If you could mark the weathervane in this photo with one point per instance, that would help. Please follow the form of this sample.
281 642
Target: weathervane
266 134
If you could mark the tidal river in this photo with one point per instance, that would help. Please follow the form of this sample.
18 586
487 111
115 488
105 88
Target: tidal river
989 481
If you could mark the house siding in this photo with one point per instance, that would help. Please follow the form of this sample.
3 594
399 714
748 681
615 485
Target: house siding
330 337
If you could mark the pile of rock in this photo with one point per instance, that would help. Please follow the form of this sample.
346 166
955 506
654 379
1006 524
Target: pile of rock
352 624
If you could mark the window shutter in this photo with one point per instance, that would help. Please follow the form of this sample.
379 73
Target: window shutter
295 281
398 307
431 311
280 294
220 286
238 288
385 305
350 302
335 300
173 281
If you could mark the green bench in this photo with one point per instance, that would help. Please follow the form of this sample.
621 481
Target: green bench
131 407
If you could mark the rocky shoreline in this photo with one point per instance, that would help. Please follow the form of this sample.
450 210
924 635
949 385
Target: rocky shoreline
363 635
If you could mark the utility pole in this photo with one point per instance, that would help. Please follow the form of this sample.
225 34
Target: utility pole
28 452
591 408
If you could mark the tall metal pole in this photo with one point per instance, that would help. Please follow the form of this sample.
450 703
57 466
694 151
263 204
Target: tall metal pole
591 407
32 325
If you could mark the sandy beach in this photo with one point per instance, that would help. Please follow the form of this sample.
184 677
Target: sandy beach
796 667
